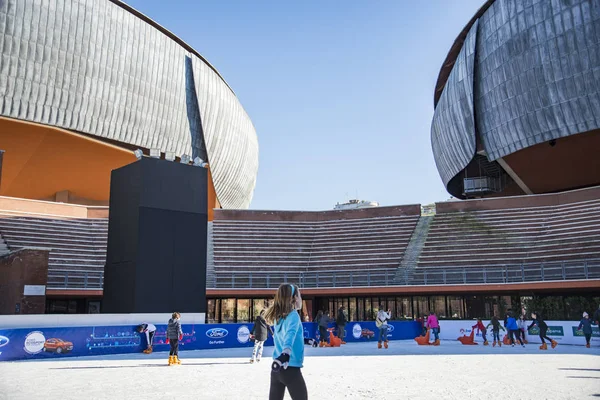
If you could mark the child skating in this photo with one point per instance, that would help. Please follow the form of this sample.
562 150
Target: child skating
586 326
522 324
148 330
481 328
288 336
174 335
434 325
513 329
259 334
382 324
495 323
543 327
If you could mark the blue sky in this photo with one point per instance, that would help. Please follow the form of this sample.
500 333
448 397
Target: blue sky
340 92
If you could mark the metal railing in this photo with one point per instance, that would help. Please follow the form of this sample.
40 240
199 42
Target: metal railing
76 280
452 275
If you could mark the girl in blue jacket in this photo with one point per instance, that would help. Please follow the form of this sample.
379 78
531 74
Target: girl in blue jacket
288 335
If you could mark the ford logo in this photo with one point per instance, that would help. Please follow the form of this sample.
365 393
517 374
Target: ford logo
3 341
216 333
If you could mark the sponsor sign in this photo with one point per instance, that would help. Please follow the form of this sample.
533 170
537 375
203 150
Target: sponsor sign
552 331
217 333
120 339
34 342
356 331
576 333
243 334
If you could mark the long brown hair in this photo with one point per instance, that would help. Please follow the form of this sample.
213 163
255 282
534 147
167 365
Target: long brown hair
283 303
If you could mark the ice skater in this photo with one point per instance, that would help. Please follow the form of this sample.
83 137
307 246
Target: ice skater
543 327
260 334
323 320
174 336
382 324
586 325
288 354
340 321
522 324
495 323
513 329
481 328
149 330
434 325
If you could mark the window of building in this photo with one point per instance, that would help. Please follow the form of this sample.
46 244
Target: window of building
257 306
212 316
404 308
352 309
438 306
243 310
368 310
360 309
420 306
456 307
228 310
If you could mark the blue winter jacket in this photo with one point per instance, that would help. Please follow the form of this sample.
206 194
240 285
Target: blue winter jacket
511 324
586 325
289 334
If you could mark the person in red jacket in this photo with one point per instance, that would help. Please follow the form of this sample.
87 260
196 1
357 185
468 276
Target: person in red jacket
481 328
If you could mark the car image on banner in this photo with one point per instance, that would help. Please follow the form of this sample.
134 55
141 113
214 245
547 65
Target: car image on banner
57 346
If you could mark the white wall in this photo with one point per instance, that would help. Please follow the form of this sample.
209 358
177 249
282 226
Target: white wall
67 320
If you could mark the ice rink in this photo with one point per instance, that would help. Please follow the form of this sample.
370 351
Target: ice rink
354 371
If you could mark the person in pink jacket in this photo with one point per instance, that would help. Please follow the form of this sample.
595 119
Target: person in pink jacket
434 325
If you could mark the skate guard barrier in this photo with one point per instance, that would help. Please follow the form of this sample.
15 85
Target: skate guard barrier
56 336
564 332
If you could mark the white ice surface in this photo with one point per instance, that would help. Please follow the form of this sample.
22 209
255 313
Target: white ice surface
354 371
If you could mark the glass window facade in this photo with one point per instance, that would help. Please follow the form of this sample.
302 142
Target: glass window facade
407 307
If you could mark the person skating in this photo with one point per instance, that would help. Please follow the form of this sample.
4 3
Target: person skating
513 329
148 330
288 336
586 325
434 325
174 335
522 324
323 320
382 324
341 320
495 323
543 327
481 328
260 333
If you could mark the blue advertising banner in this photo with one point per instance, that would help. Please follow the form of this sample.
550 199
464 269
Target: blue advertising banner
40 343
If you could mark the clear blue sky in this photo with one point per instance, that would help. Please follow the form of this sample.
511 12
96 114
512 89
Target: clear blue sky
340 92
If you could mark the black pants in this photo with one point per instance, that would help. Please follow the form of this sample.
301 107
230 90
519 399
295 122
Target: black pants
543 335
323 333
588 337
174 347
515 332
290 378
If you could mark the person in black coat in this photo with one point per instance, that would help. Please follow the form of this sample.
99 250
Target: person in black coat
259 334
543 327
586 326
341 321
